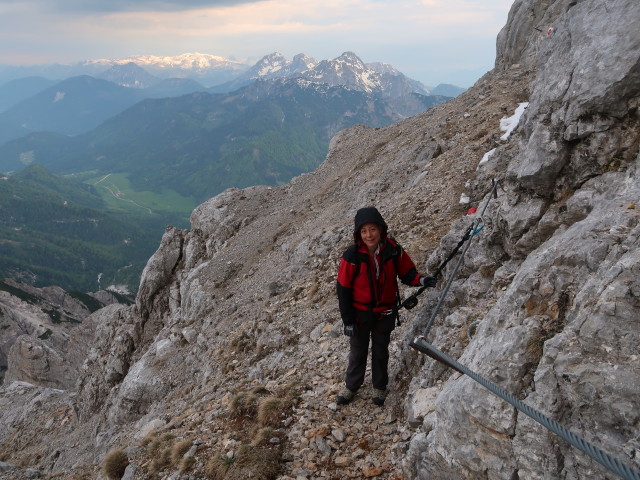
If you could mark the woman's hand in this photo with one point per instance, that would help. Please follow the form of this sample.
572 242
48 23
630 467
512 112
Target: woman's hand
350 330
428 282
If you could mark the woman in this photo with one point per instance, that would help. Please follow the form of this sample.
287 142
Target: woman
368 298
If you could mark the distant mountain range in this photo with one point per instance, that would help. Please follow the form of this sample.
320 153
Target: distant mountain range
80 103
202 143
15 91
206 69
153 146
447 90
346 70
284 115
72 106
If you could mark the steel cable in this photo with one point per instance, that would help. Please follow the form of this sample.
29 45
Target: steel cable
473 230
612 464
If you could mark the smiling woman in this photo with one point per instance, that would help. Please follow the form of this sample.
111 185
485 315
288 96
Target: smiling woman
368 298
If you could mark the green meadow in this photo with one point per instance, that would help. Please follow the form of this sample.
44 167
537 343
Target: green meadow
117 193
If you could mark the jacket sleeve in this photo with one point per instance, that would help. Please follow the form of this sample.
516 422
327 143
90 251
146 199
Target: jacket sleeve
344 290
407 272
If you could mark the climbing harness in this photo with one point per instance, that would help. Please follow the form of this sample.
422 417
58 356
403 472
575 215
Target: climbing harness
472 231
613 464
420 343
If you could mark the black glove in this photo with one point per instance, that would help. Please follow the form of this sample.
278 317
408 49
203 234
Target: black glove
350 330
429 282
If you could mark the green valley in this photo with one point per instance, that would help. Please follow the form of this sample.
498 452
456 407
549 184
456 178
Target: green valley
116 191
58 231
89 210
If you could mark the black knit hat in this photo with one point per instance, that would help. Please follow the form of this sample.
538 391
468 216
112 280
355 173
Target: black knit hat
368 215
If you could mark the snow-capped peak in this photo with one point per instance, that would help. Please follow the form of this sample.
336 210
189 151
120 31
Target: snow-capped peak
186 61
350 58
275 65
302 62
269 65
382 67
349 70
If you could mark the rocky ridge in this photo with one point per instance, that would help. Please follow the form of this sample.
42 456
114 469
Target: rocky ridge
239 313
43 340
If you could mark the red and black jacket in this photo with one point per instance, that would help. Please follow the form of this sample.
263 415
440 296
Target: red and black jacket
368 284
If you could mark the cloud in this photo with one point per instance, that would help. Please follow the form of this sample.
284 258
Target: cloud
87 6
350 18
412 35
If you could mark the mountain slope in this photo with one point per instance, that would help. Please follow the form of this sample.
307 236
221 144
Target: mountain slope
201 144
17 90
37 323
72 106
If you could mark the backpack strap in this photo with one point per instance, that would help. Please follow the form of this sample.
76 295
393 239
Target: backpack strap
395 256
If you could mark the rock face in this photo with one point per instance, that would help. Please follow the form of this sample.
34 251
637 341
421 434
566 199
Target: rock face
242 306
42 339
561 332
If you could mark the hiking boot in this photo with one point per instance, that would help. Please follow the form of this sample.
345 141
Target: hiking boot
345 396
379 396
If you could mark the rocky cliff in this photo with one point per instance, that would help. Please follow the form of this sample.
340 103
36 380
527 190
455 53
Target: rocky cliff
228 364
43 337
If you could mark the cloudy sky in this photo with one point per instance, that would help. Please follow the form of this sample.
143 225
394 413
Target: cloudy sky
434 41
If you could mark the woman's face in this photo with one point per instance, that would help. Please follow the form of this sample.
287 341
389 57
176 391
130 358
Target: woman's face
371 235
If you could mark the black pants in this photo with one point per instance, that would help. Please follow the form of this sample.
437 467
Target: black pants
379 331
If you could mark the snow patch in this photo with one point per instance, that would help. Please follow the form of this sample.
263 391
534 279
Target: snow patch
486 156
507 125
121 289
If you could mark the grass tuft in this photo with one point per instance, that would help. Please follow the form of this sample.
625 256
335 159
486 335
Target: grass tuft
243 404
187 463
251 461
115 463
160 462
179 449
270 411
218 466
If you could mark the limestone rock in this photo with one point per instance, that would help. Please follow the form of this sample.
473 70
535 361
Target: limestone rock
44 338
556 319
238 314
32 360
